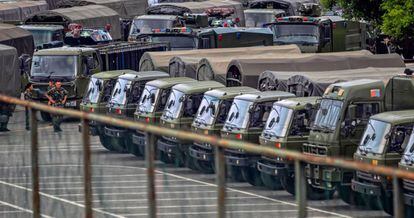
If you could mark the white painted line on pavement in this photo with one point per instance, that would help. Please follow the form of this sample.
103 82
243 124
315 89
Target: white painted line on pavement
70 177
214 212
171 199
138 193
12 211
104 182
191 206
57 198
22 209
125 187
51 149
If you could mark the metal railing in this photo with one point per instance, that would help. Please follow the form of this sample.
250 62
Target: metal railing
220 145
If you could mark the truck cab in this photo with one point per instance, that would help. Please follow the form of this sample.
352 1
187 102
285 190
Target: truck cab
406 164
97 96
286 128
179 112
146 23
209 120
182 38
386 137
260 17
245 121
151 105
124 100
46 36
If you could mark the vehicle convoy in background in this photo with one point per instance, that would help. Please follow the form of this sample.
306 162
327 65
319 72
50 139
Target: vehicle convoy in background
245 121
343 113
179 112
209 120
97 95
287 128
46 36
123 103
386 137
151 106
73 66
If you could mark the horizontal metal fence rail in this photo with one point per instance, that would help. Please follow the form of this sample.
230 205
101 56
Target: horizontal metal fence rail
220 144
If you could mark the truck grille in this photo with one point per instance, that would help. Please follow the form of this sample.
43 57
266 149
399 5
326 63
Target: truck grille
408 185
364 175
314 149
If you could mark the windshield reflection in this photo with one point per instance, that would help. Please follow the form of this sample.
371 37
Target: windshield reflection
374 138
278 122
238 116
119 95
328 115
54 66
174 105
255 19
207 110
94 89
148 99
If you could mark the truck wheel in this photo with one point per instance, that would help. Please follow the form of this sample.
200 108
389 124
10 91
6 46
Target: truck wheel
204 166
271 182
288 183
46 117
252 176
106 142
235 173
180 160
318 194
370 202
163 157
118 145
133 149
349 196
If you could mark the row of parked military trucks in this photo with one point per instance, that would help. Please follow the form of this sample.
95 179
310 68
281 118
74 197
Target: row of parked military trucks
353 105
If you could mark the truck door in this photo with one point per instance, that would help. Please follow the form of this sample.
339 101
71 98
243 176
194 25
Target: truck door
326 37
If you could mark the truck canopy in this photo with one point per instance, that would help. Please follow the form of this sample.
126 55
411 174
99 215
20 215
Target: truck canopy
161 60
183 66
246 71
15 11
89 16
9 71
289 6
215 67
127 9
314 83
182 8
17 37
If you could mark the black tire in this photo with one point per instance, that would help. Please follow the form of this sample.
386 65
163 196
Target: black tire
349 196
235 174
318 194
204 166
288 183
132 148
141 150
371 202
271 182
106 142
409 211
163 157
118 144
387 204
46 117
252 176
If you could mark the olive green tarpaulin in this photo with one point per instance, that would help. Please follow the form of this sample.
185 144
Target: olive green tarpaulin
246 71
89 16
17 37
160 60
9 71
20 10
314 83
183 66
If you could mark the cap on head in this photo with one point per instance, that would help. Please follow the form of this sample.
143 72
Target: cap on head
58 84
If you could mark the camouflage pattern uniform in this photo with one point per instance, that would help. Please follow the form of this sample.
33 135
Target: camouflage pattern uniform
58 95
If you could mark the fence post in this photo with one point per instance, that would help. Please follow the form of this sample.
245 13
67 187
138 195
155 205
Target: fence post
300 189
398 197
221 181
149 162
87 177
35 164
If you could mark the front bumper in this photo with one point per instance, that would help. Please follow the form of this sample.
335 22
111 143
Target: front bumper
408 187
240 158
139 139
367 188
323 177
166 146
199 152
272 168
115 133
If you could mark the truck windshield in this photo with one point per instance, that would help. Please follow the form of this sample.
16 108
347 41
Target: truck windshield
41 37
207 110
94 89
119 95
238 115
409 151
148 99
177 42
254 19
146 25
375 137
54 66
328 115
296 33
278 122
174 105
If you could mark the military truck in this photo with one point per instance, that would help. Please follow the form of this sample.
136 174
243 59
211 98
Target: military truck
147 23
290 7
179 112
123 103
209 120
150 108
342 115
260 17
383 143
245 121
406 164
286 128
73 66
46 36
96 97
320 34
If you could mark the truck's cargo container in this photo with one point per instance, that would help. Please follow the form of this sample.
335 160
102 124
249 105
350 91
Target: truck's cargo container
18 11
18 38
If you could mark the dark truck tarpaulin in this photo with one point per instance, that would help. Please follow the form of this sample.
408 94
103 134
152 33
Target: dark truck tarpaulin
17 11
17 37
9 71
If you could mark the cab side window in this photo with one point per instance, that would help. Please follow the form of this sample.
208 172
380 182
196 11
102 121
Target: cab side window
259 114
135 92
365 110
399 138
108 90
191 105
163 99
300 123
224 109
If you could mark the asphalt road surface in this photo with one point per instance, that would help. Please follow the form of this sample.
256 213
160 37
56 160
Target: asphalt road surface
119 183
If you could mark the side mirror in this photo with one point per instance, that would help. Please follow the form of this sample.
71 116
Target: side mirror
251 108
182 98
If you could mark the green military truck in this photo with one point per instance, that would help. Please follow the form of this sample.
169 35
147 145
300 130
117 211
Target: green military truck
209 120
320 34
286 128
151 105
46 36
123 103
73 66
340 121
245 121
406 164
96 98
383 143
179 112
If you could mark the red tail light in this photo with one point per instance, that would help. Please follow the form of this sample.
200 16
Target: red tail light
147 120
278 145
220 37
118 111
239 136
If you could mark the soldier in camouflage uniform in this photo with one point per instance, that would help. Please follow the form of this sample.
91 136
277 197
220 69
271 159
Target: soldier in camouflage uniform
57 97
5 113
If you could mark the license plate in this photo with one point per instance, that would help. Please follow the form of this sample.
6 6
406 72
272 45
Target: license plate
70 104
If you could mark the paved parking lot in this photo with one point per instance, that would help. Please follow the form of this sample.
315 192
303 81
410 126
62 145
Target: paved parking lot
119 184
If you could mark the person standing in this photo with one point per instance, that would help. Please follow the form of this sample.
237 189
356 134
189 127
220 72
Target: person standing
28 95
5 114
57 98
